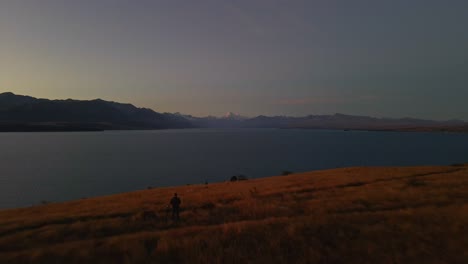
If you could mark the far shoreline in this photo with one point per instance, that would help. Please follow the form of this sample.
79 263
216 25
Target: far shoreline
71 127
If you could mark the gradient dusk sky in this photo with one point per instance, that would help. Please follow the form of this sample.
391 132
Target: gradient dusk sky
273 57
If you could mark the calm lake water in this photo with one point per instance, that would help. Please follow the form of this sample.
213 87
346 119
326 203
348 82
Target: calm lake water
63 166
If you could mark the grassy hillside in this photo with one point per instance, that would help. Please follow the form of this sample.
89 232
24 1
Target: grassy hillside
350 215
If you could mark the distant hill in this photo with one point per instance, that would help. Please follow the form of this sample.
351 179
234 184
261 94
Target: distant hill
336 121
342 121
24 113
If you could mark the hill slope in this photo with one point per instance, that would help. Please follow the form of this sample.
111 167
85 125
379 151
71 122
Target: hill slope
23 113
350 215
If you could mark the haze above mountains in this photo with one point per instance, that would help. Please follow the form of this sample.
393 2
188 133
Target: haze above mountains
25 113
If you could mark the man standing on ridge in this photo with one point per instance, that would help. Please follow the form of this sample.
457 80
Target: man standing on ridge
175 203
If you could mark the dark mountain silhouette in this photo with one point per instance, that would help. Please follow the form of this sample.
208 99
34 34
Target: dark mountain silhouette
24 113
10 100
342 121
336 121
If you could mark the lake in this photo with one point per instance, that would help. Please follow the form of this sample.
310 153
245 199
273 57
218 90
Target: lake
56 167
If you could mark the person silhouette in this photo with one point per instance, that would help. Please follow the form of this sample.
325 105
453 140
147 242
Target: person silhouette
175 203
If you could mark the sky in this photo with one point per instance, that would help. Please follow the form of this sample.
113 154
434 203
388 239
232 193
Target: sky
394 58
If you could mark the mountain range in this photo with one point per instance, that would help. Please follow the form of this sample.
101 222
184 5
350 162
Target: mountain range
25 113
18 113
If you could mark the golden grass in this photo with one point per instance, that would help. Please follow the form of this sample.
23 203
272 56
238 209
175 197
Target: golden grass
350 215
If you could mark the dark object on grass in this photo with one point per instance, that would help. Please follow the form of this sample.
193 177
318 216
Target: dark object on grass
175 203
238 178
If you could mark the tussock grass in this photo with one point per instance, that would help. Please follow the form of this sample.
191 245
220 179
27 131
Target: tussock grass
350 215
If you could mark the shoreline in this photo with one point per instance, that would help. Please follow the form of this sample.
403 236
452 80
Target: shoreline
455 166
227 181
60 127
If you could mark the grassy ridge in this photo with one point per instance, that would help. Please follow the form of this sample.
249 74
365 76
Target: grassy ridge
350 215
